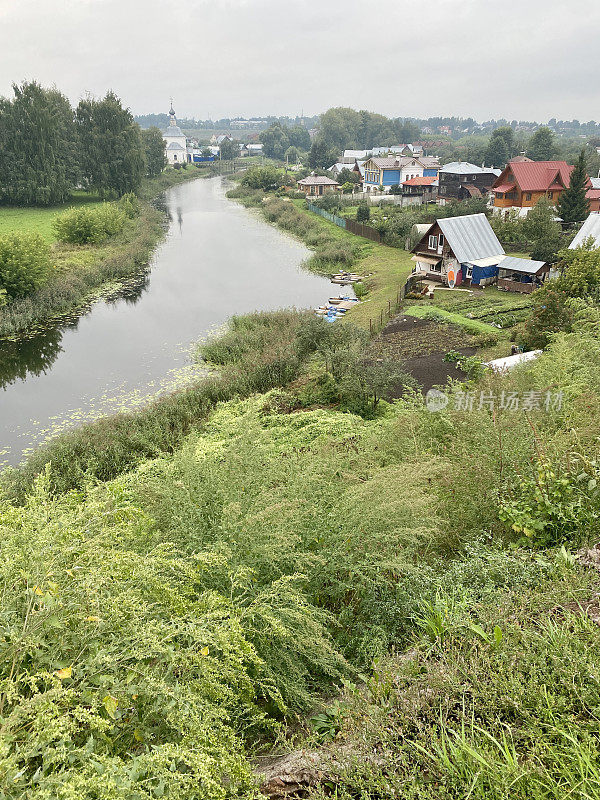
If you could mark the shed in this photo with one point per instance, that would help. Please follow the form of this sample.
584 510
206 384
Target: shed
521 274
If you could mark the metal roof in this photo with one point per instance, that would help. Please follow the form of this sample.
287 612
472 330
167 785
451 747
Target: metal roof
538 176
317 180
175 146
591 227
595 183
464 168
514 264
471 237
174 132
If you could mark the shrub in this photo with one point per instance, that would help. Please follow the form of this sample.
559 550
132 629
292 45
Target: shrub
549 314
91 225
24 263
130 204
363 213
265 178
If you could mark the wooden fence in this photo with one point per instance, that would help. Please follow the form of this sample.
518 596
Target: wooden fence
347 224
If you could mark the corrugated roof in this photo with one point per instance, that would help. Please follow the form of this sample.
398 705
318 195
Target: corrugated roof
591 227
465 168
504 187
595 183
521 265
471 237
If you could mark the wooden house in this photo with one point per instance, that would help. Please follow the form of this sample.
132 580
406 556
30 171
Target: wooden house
522 184
460 180
317 185
459 250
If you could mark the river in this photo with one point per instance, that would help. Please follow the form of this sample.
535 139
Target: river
218 259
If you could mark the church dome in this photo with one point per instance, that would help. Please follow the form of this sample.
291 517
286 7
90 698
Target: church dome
174 131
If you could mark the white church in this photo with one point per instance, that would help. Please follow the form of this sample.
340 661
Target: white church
175 141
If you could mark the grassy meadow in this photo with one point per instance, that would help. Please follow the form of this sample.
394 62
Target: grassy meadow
39 220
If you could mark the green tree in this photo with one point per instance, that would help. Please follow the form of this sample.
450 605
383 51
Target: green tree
275 140
501 146
549 314
580 276
541 145
543 231
264 178
292 155
348 176
24 263
299 137
113 160
321 156
154 150
39 159
573 205
229 149
363 213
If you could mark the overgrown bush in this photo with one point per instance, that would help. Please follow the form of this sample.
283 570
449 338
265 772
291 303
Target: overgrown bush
24 263
130 204
82 225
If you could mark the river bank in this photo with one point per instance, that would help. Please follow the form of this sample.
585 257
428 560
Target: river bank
289 576
216 260
83 274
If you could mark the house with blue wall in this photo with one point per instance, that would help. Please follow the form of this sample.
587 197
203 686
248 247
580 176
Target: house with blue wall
459 250
380 174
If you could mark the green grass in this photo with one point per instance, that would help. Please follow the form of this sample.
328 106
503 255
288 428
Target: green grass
387 267
469 325
39 220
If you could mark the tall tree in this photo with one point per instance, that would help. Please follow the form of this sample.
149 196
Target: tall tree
299 137
321 156
573 205
275 140
113 160
38 147
154 150
229 149
501 146
541 145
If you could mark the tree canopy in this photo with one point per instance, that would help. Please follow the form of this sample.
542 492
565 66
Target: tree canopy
573 205
39 161
542 146
112 153
154 150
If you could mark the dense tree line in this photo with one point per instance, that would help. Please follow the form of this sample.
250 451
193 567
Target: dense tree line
47 148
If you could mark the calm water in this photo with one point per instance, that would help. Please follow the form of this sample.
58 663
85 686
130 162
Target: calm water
217 260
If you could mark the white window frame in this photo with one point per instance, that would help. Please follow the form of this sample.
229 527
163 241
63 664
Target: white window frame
432 242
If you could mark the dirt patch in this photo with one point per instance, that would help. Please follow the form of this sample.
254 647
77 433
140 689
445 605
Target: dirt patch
421 344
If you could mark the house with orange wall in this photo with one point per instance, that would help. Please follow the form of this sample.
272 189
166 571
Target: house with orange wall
523 183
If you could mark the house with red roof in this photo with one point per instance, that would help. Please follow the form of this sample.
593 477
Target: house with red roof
522 184
420 190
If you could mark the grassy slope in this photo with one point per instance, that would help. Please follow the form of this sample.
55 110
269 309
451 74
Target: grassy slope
390 267
196 597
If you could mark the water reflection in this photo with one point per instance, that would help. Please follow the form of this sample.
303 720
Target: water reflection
30 357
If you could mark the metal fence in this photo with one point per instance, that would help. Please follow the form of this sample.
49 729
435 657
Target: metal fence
347 224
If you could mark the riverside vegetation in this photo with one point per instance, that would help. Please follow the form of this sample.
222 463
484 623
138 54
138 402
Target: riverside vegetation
278 545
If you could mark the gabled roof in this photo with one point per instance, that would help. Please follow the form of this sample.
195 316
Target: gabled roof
317 180
429 161
522 265
537 176
471 237
591 227
395 162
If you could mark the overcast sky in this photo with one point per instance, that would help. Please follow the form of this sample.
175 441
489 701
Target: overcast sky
523 59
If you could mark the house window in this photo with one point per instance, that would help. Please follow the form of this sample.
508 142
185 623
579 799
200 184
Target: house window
433 240
550 195
469 272
528 196
441 240
436 267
